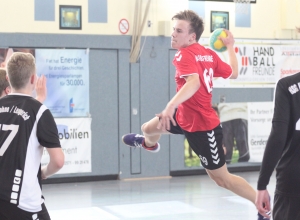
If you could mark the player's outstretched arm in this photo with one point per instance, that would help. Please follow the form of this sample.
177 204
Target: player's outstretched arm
57 160
229 43
187 91
41 89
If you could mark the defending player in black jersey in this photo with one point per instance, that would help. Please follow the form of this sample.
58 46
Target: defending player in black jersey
25 126
283 152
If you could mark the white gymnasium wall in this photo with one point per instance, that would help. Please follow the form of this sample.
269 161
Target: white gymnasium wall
269 19
263 24
18 16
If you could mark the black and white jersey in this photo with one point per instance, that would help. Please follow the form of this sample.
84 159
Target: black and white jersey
283 146
25 126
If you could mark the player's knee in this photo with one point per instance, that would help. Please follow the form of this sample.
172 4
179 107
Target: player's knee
220 182
148 128
145 128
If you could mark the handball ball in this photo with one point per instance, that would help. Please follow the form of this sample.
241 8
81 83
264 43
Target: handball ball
215 43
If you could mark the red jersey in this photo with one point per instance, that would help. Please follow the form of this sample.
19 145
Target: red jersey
196 113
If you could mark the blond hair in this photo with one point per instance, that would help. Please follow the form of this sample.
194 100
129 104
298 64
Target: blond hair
20 67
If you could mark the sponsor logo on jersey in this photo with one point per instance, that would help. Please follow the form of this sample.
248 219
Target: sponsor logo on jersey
21 112
4 109
205 58
178 56
294 88
15 110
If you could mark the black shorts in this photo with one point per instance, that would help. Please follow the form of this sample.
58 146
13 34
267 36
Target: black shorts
206 144
10 211
286 207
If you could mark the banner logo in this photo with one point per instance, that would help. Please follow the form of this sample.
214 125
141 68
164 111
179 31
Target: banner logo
245 60
71 105
64 132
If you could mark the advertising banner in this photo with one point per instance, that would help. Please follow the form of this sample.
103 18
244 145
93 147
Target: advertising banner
261 63
67 73
259 127
246 127
75 139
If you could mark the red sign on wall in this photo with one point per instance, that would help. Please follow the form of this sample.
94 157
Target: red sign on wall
123 26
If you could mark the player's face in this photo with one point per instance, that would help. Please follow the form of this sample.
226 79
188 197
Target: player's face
180 36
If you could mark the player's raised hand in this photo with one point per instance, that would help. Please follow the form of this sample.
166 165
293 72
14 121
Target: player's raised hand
41 88
229 39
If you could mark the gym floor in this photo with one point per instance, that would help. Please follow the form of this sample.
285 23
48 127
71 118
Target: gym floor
170 198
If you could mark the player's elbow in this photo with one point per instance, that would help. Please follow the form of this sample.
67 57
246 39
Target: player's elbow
234 75
58 160
196 83
60 164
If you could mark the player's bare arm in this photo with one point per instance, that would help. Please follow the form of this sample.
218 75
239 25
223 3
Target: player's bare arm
57 159
233 62
229 43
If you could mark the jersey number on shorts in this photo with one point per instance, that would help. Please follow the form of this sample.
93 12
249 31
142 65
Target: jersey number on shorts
208 79
14 130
